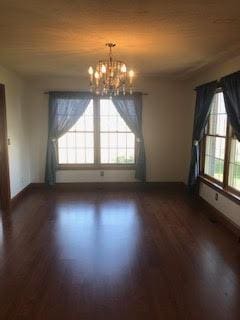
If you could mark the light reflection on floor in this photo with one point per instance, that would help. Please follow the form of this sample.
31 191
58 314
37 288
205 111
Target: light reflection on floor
98 240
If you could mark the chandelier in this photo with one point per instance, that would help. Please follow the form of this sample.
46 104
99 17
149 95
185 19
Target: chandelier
111 76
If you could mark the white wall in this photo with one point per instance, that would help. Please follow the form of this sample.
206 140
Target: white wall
167 124
226 206
229 208
94 176
17 124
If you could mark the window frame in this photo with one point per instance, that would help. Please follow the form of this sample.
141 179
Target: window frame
230 188
222 186
97 165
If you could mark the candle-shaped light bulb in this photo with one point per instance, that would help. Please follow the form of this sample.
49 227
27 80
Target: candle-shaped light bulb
103 68
96 75
90 70
123 68
131 73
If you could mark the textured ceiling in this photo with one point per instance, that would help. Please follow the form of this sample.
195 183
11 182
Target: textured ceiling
63 37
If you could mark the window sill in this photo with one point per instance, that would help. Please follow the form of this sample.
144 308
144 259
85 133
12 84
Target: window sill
96 167
227 193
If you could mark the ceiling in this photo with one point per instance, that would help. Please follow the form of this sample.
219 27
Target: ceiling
64 37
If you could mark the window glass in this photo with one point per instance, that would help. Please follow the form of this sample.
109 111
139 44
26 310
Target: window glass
116 139
234 165
77 145
214 157
215 142
218 116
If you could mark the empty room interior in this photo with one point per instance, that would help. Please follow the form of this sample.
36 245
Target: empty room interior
120 160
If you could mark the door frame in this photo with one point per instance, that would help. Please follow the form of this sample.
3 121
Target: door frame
5 193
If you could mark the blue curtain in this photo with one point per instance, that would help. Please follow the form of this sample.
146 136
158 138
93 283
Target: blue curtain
65 108
205 94
130 109
231 91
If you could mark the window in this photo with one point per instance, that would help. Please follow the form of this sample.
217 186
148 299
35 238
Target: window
116 139
234 165
221 150
76 146
216 139
100 138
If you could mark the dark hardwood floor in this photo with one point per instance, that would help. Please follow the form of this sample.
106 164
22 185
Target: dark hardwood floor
116 255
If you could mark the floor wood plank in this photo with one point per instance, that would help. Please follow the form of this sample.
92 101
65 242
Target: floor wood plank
116 255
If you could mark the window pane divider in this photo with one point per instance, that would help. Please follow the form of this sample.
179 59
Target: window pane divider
216 135
96 110
115 131
217 158
227 156
76 131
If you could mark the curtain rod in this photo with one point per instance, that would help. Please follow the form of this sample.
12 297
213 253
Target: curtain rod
219 86
48 92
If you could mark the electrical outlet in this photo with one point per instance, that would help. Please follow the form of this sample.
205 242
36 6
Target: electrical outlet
101 173
216 196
